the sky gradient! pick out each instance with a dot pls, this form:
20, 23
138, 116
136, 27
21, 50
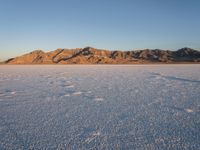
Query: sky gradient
26, 25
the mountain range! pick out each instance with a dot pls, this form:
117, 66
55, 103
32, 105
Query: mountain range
89, 55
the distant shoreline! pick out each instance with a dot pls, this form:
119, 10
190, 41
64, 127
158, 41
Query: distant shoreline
153, 63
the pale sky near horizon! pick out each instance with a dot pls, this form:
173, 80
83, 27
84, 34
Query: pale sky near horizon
26, 25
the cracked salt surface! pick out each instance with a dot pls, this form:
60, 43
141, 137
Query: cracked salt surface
100, 107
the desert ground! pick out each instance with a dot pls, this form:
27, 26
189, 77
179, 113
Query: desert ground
100, 107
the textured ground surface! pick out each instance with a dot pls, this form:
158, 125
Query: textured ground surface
100, 107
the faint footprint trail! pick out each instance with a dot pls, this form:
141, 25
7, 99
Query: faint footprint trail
93, 136
187, 110
174, 78
8, 93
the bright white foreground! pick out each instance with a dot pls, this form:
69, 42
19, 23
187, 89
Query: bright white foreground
100, 107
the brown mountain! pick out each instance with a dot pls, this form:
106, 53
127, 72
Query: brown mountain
91, 55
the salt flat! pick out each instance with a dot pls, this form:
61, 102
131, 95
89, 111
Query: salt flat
100, 107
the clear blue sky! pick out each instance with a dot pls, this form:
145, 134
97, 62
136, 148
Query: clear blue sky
26, 25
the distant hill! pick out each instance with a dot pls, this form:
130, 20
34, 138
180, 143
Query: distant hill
91, 55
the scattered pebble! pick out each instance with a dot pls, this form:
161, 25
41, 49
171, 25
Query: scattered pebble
1, 94
136, 91
77, 93
67, 95
99, 99
69, 86
189, 110
13, 93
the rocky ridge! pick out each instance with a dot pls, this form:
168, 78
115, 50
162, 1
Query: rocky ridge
89, 55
